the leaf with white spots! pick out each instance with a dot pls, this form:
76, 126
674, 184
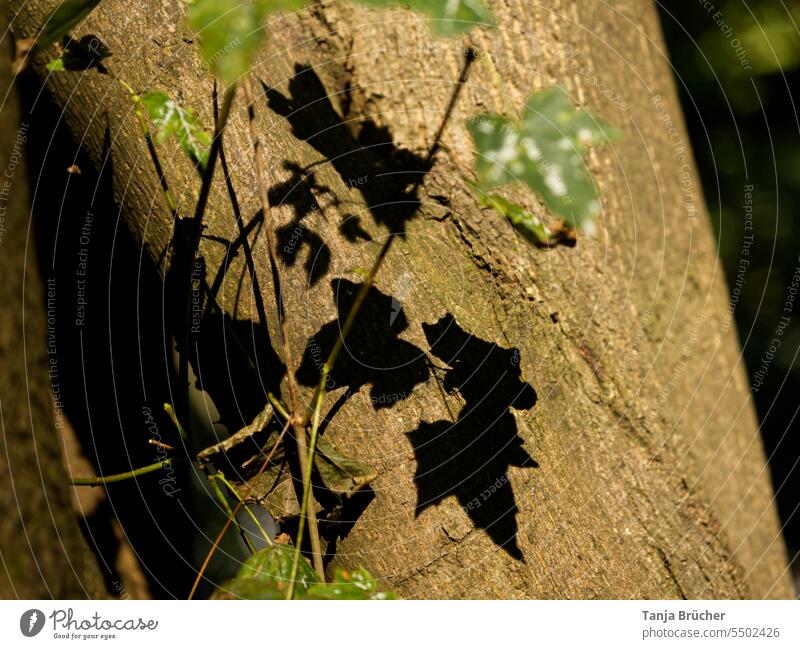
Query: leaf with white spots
266, 575
171, 119
349, 584
544, 150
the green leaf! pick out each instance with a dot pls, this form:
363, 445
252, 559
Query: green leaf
249, 588
63, 18
88, 52
348, 584
275, 562
544, 150
282, 5
56, 65
343, 476
447, 17
230, 32
266, 574
171, 119
530, 225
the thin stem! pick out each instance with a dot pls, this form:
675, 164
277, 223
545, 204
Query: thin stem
316, 402
236, 510
297, 426
119, 477
173, 417
226, 506
194, 243
279, 406
348, 325
161, 445
469, 59
253, 517
306, 491
263, 190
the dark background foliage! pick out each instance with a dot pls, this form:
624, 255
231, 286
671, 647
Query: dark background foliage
737, 65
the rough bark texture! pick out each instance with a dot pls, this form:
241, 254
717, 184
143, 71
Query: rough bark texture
42, 551
651, 480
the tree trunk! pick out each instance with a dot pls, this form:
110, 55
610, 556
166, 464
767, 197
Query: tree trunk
563, 423
42, 551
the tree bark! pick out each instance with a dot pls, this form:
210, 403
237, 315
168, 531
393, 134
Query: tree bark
642, 473
42, 551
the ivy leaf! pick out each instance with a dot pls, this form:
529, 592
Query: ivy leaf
447, 17
249, 588
349, 584
545, 151
62, 19
343, 476
266, 575
86, 53
230, 32
171, 119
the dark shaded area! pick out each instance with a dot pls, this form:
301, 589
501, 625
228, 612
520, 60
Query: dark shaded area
374, 354
386, 176
113, 357
469, 458
340, 517
223, 352
739, 83
84, 53
107, 350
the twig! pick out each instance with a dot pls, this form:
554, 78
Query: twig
119, 477
227, 507
221, 477
174, 418
194, 244
297, 426
469, 59
316, 401
161, 445
236, 510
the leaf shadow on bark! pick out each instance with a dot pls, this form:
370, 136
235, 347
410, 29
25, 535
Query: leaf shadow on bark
374, 354
385, 175
469, 458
